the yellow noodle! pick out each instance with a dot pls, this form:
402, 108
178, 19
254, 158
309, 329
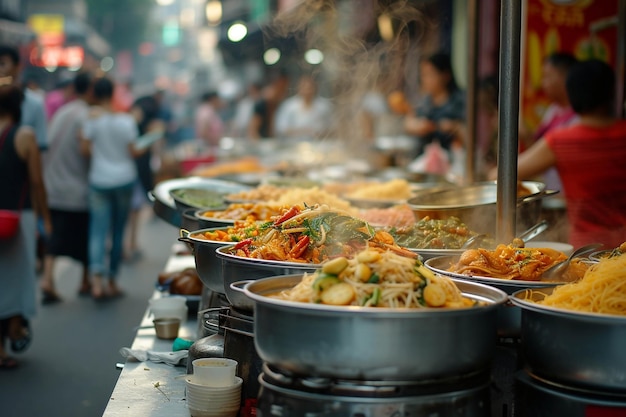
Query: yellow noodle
399, 284
601, 290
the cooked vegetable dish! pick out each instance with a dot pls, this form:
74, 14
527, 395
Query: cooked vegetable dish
377, 278
450, 233
313, 235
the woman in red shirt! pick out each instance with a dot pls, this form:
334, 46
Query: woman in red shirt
590, 157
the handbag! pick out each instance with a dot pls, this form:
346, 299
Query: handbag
10, 219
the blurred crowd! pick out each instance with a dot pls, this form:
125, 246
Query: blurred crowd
76, 162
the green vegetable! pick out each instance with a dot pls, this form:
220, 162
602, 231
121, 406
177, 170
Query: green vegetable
323, 281
376, 296
373, 299
374, 279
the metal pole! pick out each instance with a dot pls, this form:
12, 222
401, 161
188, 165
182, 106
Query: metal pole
510, 34
471, 92
621, 59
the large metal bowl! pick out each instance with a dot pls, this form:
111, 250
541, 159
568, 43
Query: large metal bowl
509, 315
164, 205
475, 205
583, 350
209, 267
369, 343
208, 222
237, 268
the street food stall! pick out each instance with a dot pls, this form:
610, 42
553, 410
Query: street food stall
340, 292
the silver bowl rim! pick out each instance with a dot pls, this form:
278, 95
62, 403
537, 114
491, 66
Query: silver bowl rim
413, 202
498, 298
485, 280
221, 252
518, 298
161, 190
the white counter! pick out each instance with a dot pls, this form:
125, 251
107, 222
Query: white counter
148, 388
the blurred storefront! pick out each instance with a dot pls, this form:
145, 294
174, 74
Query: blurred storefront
64, 41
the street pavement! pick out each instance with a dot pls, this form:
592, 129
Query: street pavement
69, 370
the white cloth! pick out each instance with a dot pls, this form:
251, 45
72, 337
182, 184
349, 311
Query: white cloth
170, 358
111, 162
65, 168
307, 121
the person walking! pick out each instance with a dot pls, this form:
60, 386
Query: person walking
65, 173
23, 193
108, 137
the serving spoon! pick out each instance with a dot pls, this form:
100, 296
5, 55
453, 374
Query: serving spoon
555, 271
525, 236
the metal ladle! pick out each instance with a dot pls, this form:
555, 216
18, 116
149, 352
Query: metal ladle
555, 271
525, 236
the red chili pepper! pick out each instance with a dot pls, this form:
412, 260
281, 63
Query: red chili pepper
288, 215
243, 243
300, 247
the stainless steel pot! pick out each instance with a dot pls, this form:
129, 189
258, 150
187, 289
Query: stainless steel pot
373, 343
208, 222
164, 205
509, 315
475, 205
209, 267
189, 220
577, 349
237, 268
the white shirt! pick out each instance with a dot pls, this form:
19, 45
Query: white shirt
111, 162
294, 115
65, 168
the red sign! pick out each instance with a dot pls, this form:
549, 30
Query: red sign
58, 56
584, 28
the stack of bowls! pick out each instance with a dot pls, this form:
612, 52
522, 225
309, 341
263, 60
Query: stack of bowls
213, 390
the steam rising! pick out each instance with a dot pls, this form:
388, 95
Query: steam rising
356, 60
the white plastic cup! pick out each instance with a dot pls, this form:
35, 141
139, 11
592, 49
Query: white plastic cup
215, 372
172, 306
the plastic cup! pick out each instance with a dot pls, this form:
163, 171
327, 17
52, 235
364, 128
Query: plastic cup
172, 306
167, 327
214, 372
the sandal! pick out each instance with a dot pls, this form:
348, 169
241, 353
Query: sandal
21, 344
85, 290
50, 297
8, 363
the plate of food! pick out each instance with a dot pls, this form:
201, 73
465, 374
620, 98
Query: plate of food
238, 211
189, 198
507, 267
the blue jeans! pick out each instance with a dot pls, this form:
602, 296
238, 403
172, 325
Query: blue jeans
108, 210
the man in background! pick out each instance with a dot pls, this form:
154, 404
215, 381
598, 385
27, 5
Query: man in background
65, 173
